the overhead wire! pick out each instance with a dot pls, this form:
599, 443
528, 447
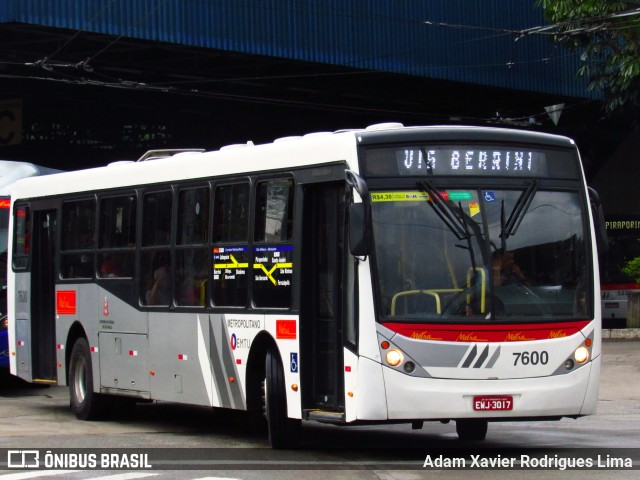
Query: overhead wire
80, 31
158, 6
232, 97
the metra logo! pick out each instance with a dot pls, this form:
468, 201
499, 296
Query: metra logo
66, 302
286, 329
470, 337
424, 336
557, 334
516, 337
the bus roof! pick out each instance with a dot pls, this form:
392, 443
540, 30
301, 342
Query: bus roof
282, 154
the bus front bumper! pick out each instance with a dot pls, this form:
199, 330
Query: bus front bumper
573, 394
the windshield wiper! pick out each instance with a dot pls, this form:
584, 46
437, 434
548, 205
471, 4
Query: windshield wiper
452, 219
519, 211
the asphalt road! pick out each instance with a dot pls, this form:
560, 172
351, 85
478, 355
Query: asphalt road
39, 418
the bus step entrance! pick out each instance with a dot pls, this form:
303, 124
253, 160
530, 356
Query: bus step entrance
325, 416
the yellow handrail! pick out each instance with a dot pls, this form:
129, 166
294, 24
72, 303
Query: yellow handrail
432, 292
483, 287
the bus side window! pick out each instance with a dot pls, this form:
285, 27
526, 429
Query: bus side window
156, 287
21, 233
231, 213
156, 224
117, 236
230, 253
192, 254
274, 211
273, 252
156, 278
117, 222
78, 239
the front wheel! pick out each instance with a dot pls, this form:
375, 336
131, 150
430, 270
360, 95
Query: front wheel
283, 431
85, 403
472, 429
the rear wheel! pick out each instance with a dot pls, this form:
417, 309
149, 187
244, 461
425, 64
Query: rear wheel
472, 429
85, 403
283, 431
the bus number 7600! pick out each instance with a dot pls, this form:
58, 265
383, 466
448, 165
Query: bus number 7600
531, 358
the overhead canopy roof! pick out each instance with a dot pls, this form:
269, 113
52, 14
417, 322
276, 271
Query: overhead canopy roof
101, 80
487, 43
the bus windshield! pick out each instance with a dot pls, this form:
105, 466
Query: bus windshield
477, 254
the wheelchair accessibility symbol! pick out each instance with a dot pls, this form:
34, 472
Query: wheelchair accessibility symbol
489, 196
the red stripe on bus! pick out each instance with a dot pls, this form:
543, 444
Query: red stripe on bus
487, 333
620, 286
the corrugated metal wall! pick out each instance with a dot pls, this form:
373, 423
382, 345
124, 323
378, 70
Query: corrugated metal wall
383, 35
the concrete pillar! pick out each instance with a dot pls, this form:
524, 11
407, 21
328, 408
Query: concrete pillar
633, 310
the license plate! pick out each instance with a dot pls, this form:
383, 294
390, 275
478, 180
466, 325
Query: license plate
493, 403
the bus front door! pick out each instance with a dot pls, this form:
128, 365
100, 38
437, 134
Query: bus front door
321, 298
43, 329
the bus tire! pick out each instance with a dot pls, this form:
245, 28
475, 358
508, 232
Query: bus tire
283, 431
85, 403
472, 429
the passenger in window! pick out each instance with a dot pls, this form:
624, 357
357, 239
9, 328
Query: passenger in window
109, 268
186, 286
159, 291
506, 271
88, 238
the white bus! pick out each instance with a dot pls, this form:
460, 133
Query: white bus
10, 172
385, 275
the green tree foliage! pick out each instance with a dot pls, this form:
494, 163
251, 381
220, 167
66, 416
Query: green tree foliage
632, 269
607, 33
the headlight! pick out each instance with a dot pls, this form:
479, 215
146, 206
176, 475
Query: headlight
394, 357
581, 354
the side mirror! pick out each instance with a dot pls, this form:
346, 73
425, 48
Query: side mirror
357, 230
599, 224
358, 215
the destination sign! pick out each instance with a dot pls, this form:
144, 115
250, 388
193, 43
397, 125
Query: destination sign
230, 263
470, 160
274, 264
461, 161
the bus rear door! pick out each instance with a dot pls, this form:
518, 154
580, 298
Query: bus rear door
42, 295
